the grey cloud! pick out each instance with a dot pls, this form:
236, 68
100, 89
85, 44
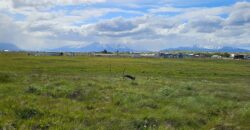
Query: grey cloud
115, 25
206, 24
239, 17
8, 29
147, 27
41, 26
231, 31
28, 3
240, 14
137, 28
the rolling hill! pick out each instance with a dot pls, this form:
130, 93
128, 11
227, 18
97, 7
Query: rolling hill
9, 46
200, 49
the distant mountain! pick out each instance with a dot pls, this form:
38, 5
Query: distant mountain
94, 47
200, 49
231, 49
194, 48
9, 46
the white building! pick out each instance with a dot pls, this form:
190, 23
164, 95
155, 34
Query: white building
232, 55
216, 57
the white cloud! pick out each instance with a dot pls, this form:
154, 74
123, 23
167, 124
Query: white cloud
152, 29
44, 3
12, 33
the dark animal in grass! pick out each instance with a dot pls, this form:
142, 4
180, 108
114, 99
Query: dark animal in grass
129, 77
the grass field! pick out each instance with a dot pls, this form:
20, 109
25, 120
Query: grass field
90, 93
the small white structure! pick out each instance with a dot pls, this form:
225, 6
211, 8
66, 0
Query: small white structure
216, 57
232, 55
148, 54
5, 50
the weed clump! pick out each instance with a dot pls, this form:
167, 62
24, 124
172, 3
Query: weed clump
42, 125
173, 123
224, 127
146, 123
33, 89
134, 83
76, 94
85, 93
6, 77
28, 113
148, 104
166, 91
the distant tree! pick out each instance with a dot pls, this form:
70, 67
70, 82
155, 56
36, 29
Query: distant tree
226, 54
105, 51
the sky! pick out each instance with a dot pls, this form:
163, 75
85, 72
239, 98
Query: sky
138, 24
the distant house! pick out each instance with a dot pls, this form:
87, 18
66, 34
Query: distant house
69, 54
239, 57
247, 57
45, 53
55, 53
166, 55
190, 55
170, 55
136, 55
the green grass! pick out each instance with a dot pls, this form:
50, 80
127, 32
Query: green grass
84, 93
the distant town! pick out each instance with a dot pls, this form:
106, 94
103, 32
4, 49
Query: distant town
160, 54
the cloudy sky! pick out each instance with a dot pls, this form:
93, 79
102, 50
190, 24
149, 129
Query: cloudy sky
139, 24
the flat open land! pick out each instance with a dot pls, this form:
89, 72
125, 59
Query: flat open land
90, 93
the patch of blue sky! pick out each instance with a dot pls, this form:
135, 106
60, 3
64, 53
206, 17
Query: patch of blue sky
136, 7
92, 20
120, 14
85, 21
225, 15
19, 17
167, 14
83, 6
140, 8
67, 8
132, 12
130, 5
15, 16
